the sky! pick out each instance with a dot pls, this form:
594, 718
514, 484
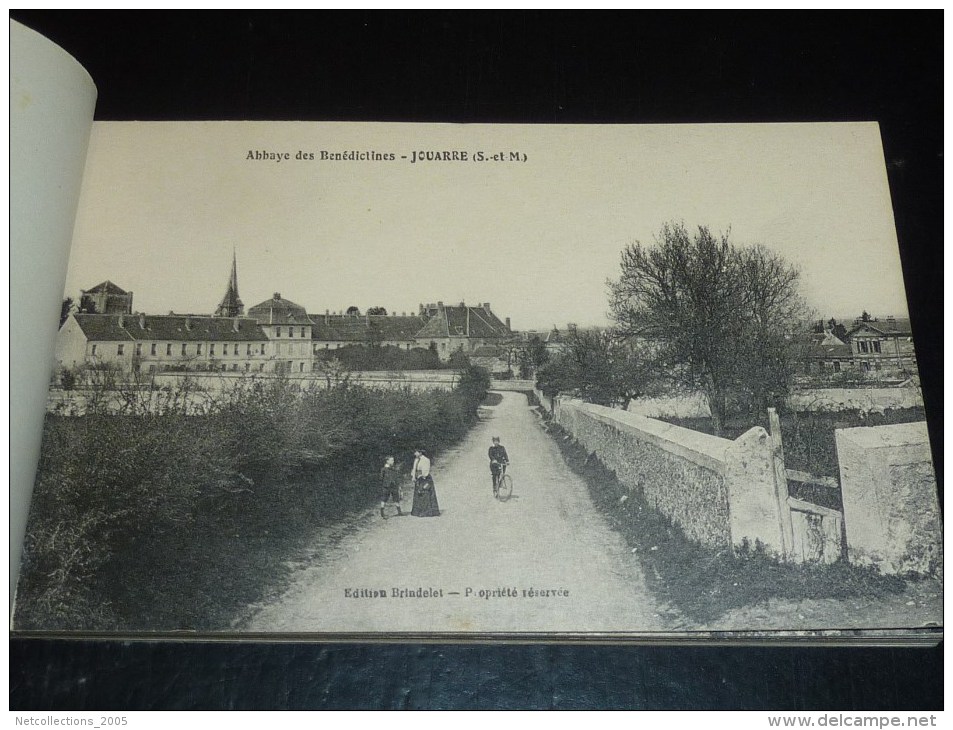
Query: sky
165, 204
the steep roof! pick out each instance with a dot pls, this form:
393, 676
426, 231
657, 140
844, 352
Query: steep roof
892, 327
172, 327
365, 328
464, 321
231, 304
396, 327
816, 345
106, 287
279, 311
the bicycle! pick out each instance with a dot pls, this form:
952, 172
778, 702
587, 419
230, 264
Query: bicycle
502, 485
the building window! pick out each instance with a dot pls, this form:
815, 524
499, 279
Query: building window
234, 366
261, 367
300, 367
865, 366
168, 348
138, 349
247, 366
338, 347
235, 350
184, 346
198, 349
93, 351
862, 346
291, 332
302, 331
443, 345
876, 345
152, 368
152, 350
327, 345
277, 331
262, 348
248, 349
119, 349
211, 349
836, 366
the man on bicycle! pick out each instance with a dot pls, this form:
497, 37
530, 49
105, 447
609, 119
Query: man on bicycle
498, 462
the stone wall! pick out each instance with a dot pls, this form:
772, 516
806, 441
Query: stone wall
544, 400
690, 405
719, 492
866, 400
891, 510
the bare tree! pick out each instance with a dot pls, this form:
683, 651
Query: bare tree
599, 366
718, 317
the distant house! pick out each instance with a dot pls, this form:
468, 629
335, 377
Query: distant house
276, 336
156, 343
883, 346
822, 352
557, 340
494, 359
335, 330
105, 298
288, 328
462, 328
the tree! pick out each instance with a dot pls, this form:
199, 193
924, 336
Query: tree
87, 305
719, 317
533, 356
837, 329
459, 360
65, 309
353, 311
375, 310
599, 367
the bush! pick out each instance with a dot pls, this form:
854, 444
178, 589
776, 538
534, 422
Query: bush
702, 582
169, 519
383, 357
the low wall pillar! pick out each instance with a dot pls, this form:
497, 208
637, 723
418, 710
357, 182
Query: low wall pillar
891, 510
755, 514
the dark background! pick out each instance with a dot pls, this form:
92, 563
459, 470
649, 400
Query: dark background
540, 68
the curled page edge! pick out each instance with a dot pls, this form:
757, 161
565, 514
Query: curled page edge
52, 99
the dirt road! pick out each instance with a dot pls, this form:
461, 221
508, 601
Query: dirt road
545, 560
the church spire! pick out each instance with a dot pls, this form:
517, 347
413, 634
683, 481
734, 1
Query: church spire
231, 305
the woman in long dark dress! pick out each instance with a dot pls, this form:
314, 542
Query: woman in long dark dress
425, 494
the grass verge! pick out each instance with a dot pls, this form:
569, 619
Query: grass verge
700, 582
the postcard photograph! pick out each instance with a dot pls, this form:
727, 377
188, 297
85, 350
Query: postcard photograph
470, 382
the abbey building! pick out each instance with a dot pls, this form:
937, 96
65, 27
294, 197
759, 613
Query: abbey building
275, 336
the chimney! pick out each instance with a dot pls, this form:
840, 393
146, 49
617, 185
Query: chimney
236, 323
486, 306
508, 323
420, 308
440, 306
276, 296
142, 320
327, 313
